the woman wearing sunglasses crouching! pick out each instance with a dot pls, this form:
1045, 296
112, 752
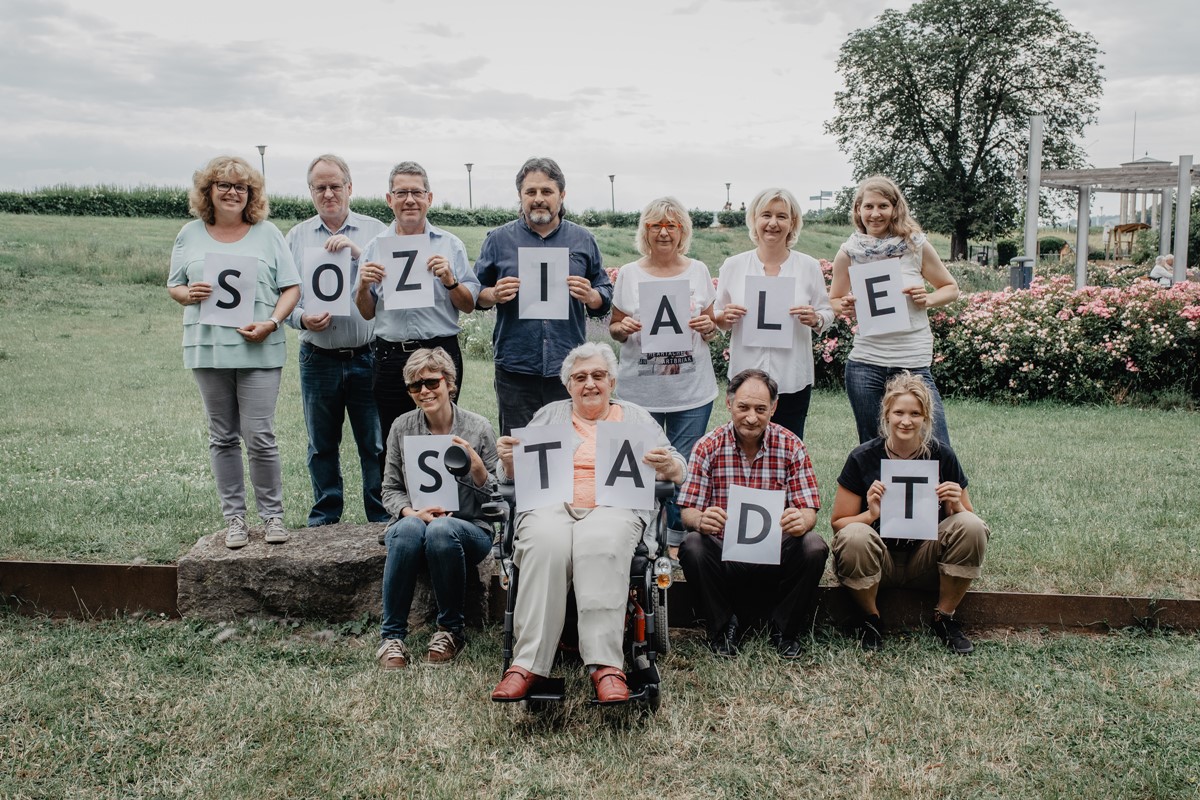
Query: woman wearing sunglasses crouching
451, 543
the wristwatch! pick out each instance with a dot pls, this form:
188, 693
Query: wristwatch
453, 286
275, 321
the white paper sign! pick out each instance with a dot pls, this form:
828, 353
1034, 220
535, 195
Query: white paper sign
544, 465
753, 534
543, 274
909, 508
664, 308
327, 284
879, 300
622, 480
428, 481
767, 322
408, 283
234, 280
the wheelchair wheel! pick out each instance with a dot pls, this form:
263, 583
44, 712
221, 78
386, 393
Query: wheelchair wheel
662, 630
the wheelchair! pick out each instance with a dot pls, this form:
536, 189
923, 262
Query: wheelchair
647, 634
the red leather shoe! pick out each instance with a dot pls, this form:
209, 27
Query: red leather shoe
515, 685
610, 685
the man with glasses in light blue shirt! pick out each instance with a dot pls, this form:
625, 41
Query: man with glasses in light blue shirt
336, 371
401, 332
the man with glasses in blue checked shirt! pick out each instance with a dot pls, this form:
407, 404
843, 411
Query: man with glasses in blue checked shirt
336, 364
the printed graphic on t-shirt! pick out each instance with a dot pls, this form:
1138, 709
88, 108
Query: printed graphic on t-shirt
681, 362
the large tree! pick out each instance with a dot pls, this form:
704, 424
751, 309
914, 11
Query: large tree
939, 98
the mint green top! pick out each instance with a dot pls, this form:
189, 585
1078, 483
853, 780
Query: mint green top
216, 345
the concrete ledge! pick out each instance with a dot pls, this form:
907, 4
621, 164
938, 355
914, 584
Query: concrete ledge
335, 573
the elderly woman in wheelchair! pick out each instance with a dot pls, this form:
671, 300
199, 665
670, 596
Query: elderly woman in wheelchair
579, 545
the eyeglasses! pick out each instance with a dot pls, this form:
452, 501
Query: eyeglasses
224, 187
416, 194
596, 377
427, 383
670, 226
336, 188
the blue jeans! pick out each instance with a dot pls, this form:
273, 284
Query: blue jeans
864, 386
449, 546
332, 389
684, 429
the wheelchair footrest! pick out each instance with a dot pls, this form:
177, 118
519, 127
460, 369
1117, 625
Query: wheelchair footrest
548, 690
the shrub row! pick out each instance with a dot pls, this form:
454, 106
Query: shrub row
1099, 345
171, 202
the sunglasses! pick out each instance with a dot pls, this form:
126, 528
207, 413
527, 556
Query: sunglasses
427, 383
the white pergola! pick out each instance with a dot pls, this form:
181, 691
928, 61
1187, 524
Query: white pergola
1145, 176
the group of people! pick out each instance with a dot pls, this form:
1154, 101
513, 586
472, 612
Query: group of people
395, 372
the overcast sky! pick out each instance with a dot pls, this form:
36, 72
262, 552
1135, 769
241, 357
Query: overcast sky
672, 96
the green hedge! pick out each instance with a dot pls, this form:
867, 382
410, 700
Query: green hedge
731, 219
171, 202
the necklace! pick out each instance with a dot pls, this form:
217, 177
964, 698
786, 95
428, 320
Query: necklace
893, 454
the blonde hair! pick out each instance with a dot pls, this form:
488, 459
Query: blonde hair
903, 223
434, 360
234, 170
664, 208
899, 385
764, 199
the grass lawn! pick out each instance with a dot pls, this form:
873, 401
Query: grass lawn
103, 457
133, 709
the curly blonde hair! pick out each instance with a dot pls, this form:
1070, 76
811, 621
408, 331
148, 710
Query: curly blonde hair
903, 224
234, 170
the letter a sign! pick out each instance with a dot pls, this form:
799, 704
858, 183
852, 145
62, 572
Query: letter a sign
664, 308
752, 531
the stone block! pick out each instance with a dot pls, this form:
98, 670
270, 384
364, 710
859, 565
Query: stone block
334, 573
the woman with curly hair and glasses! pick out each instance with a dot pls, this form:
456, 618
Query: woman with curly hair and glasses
237, 369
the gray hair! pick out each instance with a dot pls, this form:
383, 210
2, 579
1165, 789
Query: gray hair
408, 168
548, 166
329, 158
764, 199
433, 360
752, 374
588, 350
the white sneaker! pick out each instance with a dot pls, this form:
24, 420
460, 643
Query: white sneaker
236, 535
276, 533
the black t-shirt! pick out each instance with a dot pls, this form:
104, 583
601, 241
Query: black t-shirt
862, 469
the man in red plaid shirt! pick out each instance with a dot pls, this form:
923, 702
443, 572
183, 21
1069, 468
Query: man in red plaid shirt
753, 452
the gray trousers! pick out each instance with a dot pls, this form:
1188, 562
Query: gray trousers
241, 407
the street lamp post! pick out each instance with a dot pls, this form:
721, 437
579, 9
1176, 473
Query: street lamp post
262, 159
727, 201
612, 180
470, 196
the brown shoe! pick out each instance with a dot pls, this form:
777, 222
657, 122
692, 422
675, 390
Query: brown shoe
392, 654
515, 685
444, 646
610, 685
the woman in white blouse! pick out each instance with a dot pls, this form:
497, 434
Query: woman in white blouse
774, 222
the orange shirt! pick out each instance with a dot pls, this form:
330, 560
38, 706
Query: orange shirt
585, 456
